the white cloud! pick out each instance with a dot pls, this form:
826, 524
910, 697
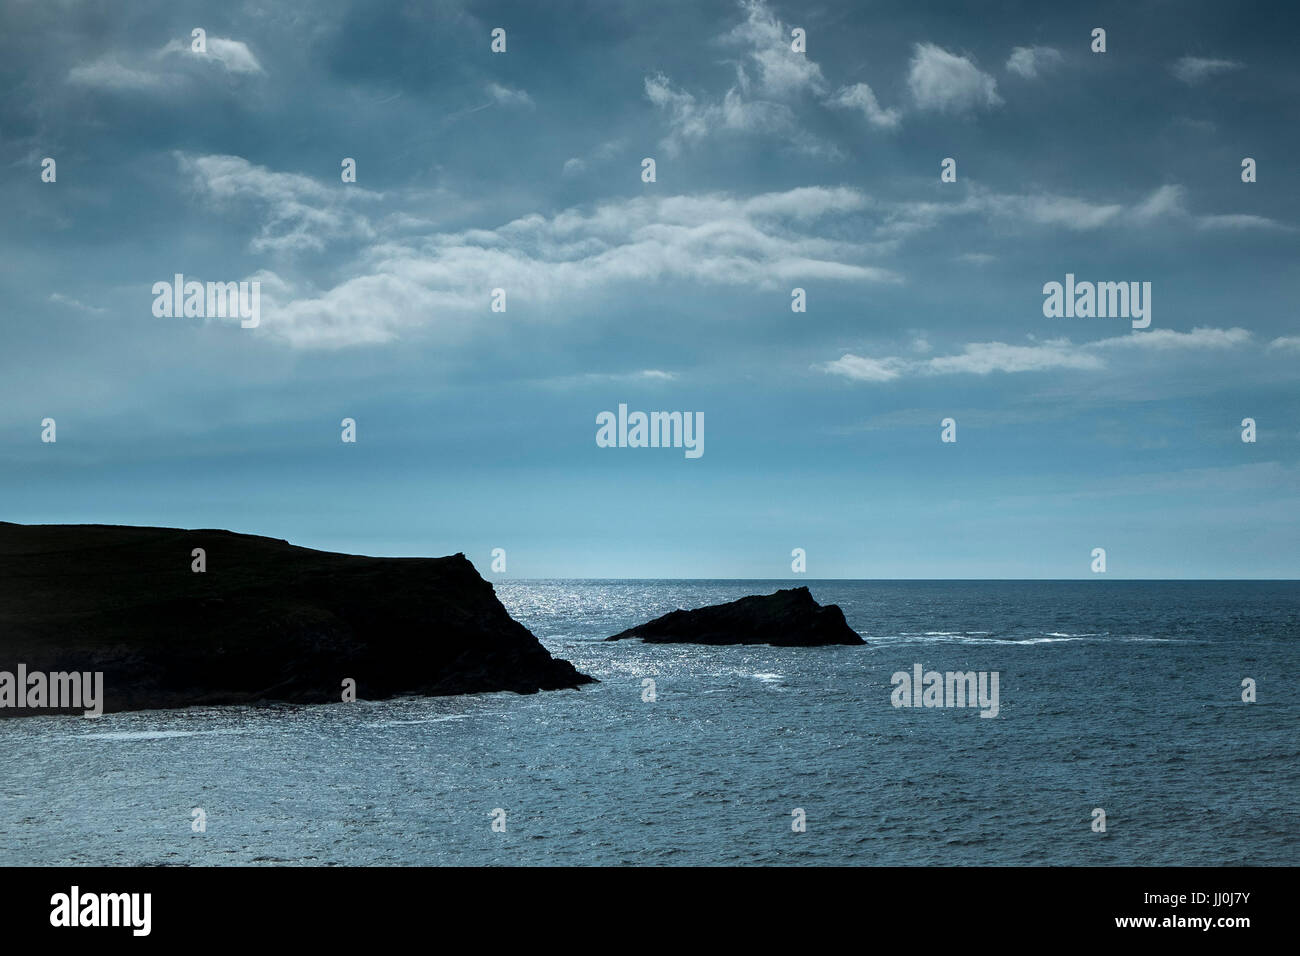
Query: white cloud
754, 106
233, 55
67, 300
1289, 343
1194, 69
107, 73
690, 121
860, 369
299, 212
1027, 61
505, 96
781, 72
1166, 339
1016, 209
942, 81
984, 358
1163, 204
860, 97
1240, 221
1165, 201
981, 358
436, 280
1168, 202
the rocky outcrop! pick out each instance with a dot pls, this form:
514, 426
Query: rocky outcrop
266, 621
788, 618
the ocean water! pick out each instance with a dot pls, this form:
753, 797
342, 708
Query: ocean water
1119, 695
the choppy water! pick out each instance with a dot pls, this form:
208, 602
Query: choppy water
1124, 696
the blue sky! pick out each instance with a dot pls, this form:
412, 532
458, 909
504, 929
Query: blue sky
774, 170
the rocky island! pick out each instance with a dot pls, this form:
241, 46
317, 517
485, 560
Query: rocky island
788, 618
262, 621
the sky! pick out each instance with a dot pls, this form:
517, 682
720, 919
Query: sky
774, 170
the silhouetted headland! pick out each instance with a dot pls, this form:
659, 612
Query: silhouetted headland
266, 621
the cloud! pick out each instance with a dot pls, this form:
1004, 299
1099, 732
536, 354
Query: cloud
1289, 343
107, 73
505, 96
690, 120
860, 369
753, 106
981, 358
73, 303
1166, 339
1027, 61
1163, 204
1015, 209
1167, 202
985, 358
1194, 69
782, 73
860, 97
1240, 221
942, 81
434, 280
233, 55
299, 213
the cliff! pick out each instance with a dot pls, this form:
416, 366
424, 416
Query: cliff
267, 621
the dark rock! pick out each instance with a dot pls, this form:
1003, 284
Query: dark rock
788, 618
267, 621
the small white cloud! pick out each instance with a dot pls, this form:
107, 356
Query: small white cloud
505, 96
942, 81
1027, 61
1287, 343
860, 97
985, 358
107, 73
1240, 221
233, 55
981, 358
573, 166
74, 303
1194, 69
1165, 201
1166, 339
860, 369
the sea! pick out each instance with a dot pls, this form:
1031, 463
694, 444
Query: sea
1121, 737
